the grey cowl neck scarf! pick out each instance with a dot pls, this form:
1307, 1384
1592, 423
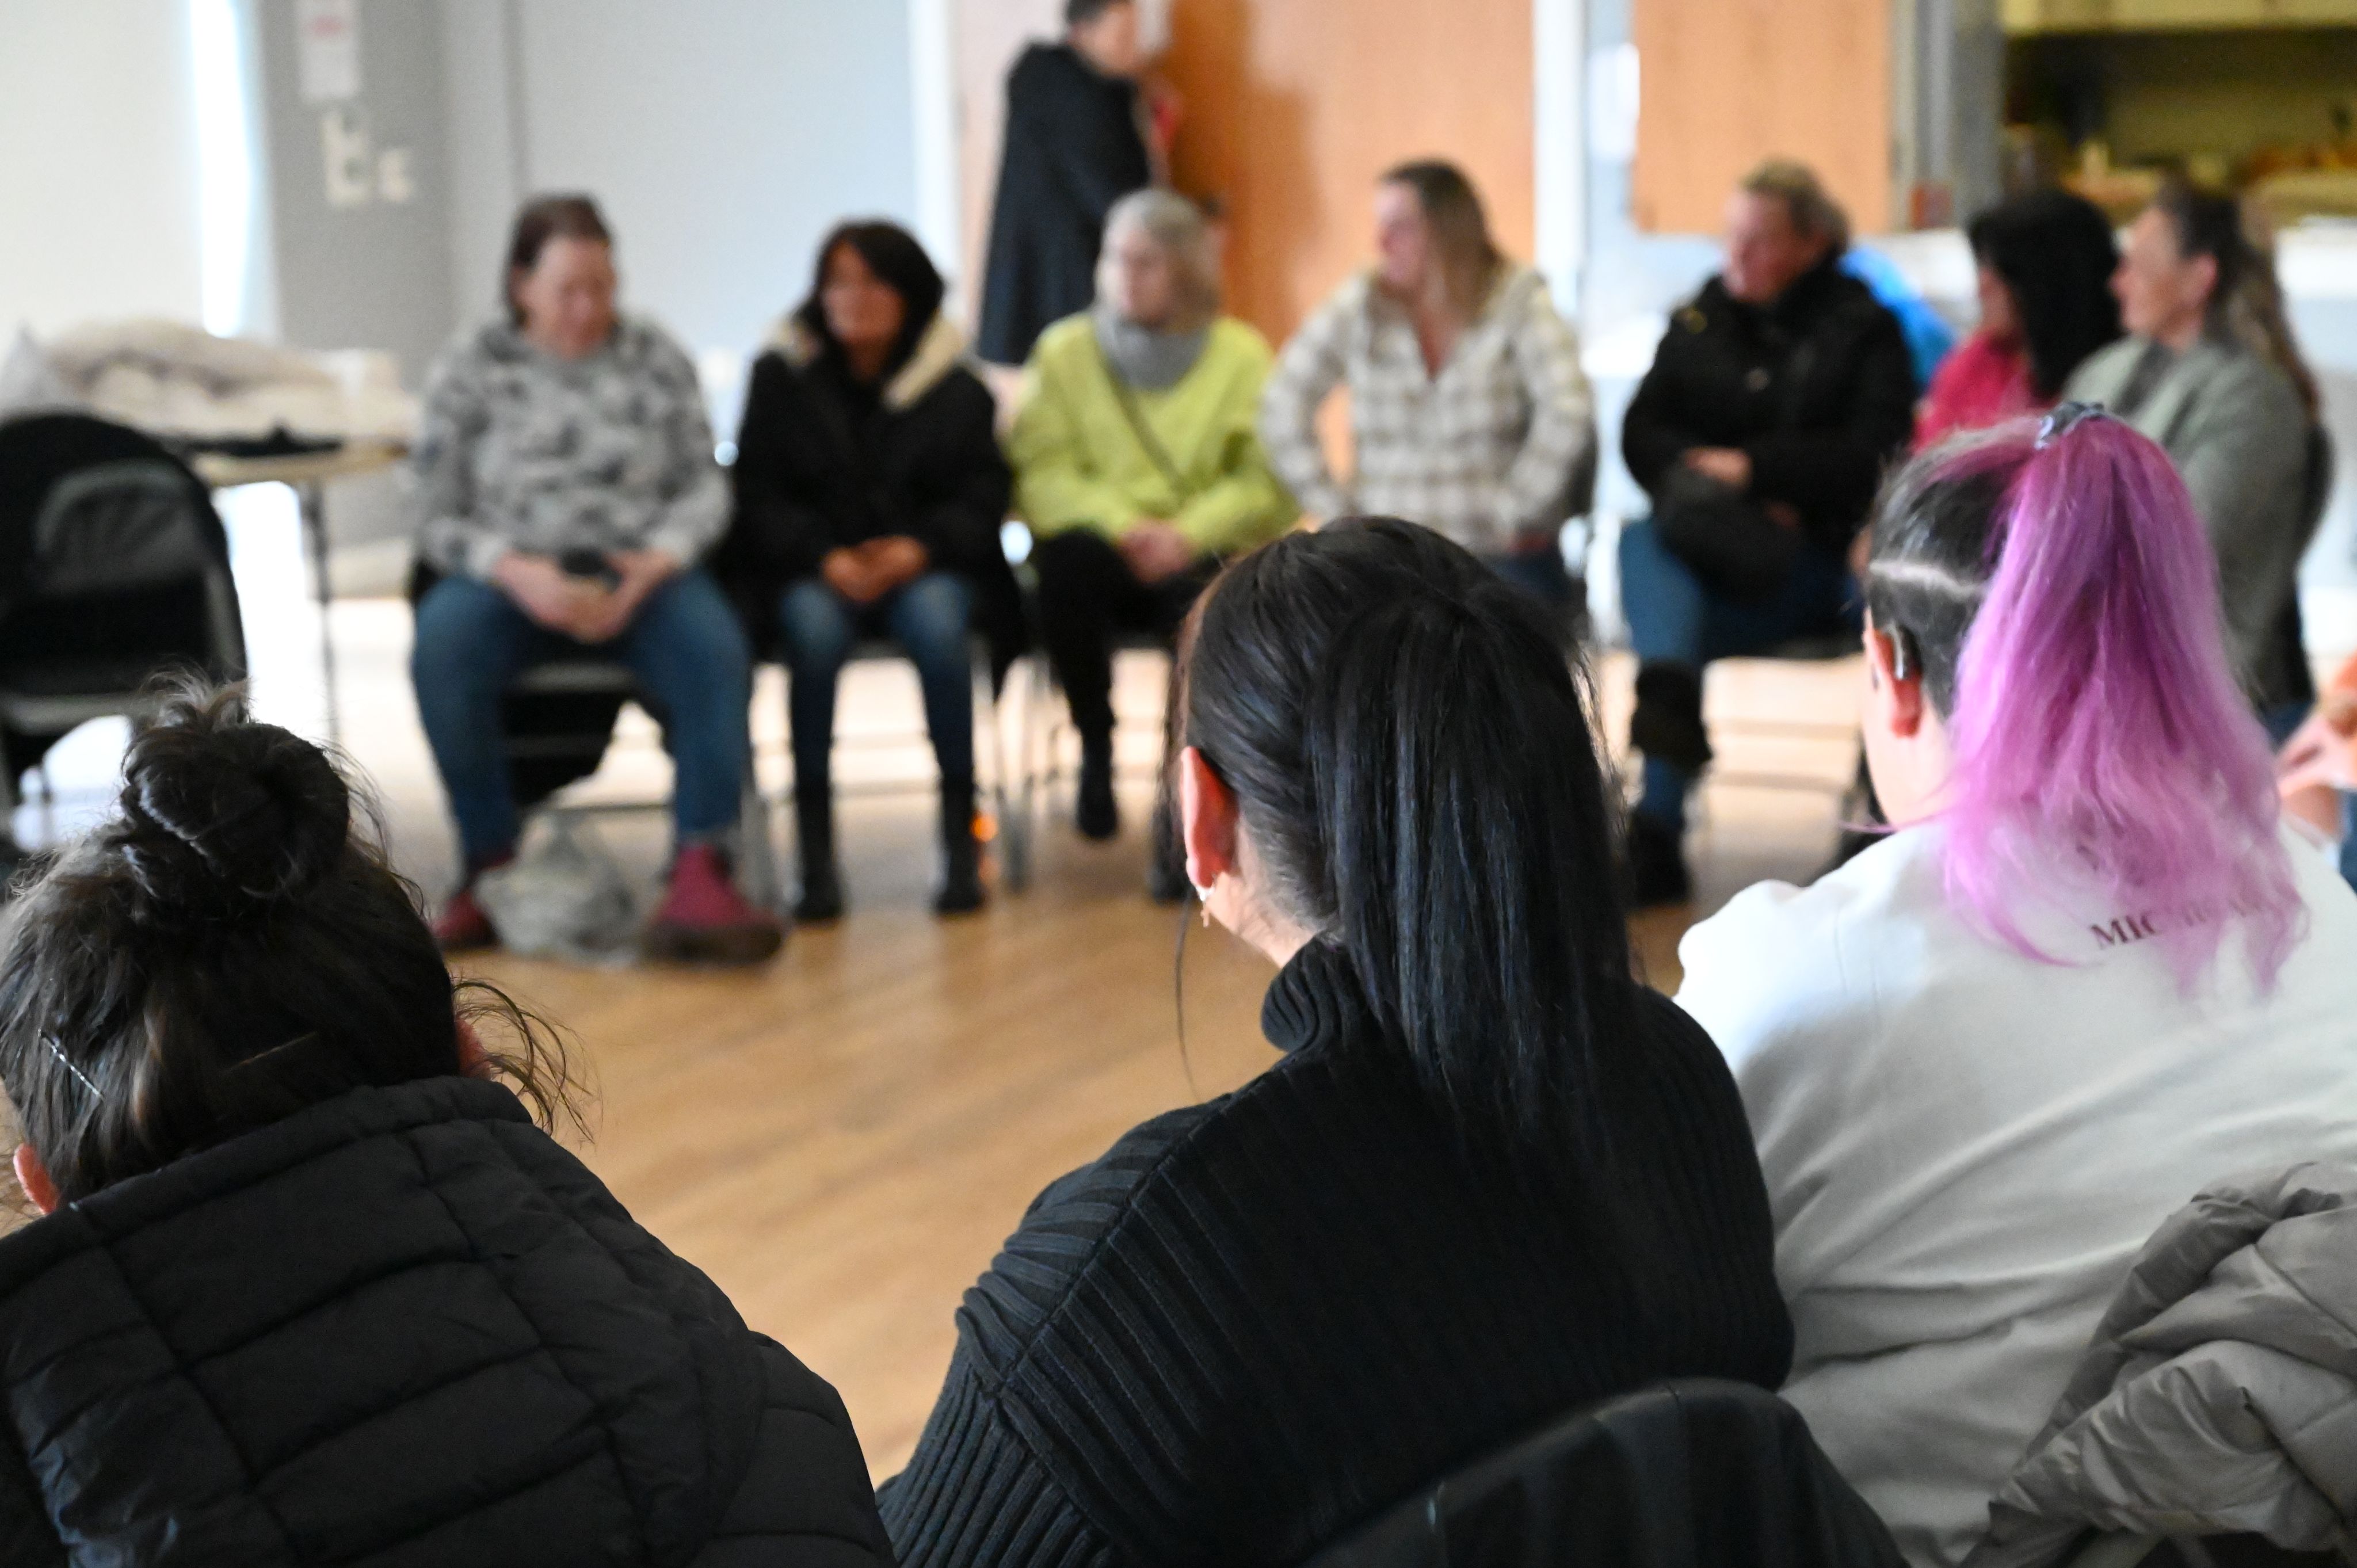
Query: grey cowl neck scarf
1147, 359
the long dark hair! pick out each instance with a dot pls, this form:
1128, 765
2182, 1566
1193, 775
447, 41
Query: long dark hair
896, 258
2247, 303
2056, 255
1411, 753
1470, 259
544, 218
227, 948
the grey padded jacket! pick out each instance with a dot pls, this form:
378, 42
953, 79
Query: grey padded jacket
2219, 1394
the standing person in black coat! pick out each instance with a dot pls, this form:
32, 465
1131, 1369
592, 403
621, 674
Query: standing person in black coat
1491, 1179
311, 1286
1075, 143
1778, 396
870, 493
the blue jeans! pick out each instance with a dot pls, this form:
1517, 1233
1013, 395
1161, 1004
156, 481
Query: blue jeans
1676, 619
686, 648
929, 619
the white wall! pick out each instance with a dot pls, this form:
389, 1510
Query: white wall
723, 138
98, 163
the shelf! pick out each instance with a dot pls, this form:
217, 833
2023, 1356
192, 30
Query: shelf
2028, 18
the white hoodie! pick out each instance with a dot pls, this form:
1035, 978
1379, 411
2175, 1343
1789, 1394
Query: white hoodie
1965, 1147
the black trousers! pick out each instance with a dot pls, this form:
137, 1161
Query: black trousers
1088, 595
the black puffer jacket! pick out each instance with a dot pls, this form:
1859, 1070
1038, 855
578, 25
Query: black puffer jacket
1817, 389
402, 1328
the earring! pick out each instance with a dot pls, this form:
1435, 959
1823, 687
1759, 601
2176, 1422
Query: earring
1202, 902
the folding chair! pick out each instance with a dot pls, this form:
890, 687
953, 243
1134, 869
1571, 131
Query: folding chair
121, 574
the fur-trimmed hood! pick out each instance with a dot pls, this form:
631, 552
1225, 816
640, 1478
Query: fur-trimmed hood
942, 350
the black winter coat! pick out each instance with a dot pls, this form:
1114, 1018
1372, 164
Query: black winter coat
820, 466
1817, 389
401, 1327
1073, 148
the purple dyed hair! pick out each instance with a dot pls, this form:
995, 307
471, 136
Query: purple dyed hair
2061, 599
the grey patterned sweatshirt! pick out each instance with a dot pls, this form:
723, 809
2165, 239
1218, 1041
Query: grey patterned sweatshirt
518, 450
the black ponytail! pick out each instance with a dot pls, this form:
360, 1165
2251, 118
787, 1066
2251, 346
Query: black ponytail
1411, 753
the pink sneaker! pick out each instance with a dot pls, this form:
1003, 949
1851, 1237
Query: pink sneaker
704, 919
462, 927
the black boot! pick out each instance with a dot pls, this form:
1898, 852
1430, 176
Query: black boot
1654, 862
821, 892
1097, 816
960, 892
1667, 726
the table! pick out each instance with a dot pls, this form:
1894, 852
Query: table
307, 473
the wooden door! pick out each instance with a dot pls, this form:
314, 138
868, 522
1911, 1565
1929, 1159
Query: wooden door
1294, 107
1724, 84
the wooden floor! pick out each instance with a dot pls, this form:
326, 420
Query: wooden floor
843, 1138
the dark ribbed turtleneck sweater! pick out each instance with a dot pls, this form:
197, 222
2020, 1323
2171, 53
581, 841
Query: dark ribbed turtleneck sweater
1256, 1321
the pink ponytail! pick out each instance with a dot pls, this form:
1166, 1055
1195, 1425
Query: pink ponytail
2094, 711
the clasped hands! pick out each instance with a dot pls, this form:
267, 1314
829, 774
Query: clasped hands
866, 572
1732, 467
583, 609
1155, 550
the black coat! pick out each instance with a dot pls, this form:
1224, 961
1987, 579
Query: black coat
1073, 148
1817, 389
821, 465
401, 1327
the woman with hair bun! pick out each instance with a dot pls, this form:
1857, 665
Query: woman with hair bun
313, 1283
2087, 971
1490, 1180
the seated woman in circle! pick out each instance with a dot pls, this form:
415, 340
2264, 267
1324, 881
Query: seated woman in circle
1489, 1179
871, 492
2086, 972
312, 1285
1137, 463
565, 476
1469, 409
2211, 371
2044, 262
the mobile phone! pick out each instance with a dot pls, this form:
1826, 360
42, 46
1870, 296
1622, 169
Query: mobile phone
592, 565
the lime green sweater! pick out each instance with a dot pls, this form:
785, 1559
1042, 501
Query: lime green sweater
1078, 463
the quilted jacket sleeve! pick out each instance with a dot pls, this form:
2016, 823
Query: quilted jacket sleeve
28, 1539
805, 1502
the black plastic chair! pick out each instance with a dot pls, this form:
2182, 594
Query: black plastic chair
1687, 1474
556, 723
113, 570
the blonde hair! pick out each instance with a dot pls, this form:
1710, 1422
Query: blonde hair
1471, 260
1177, 228
1815, 213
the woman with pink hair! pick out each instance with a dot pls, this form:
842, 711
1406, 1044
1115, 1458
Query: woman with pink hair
2087, 971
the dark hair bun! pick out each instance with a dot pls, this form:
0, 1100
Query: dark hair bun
224, 817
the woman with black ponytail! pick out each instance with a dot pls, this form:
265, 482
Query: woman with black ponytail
1489, 1179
